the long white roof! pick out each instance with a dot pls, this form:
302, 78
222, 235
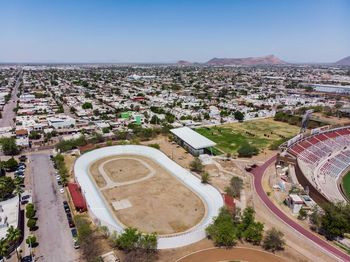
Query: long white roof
195, 140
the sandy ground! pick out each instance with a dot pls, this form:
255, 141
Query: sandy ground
160, 204
125, 169
240, 254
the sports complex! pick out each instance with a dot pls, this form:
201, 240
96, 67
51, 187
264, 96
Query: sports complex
322, 162
139, 186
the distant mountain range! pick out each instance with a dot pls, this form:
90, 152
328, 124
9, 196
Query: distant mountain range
251, 61
264, 60
344, 61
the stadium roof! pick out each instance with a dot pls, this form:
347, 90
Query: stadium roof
192, 138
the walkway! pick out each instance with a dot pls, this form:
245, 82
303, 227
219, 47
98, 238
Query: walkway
258, 175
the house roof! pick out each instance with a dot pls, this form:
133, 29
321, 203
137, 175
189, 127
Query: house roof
21, 132
194, 139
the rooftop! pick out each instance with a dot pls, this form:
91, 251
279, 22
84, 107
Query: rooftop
195, 140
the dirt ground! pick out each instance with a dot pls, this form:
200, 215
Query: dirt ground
240, 254
173, 151
160, 204
125, 169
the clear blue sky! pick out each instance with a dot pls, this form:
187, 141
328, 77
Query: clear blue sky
167, 31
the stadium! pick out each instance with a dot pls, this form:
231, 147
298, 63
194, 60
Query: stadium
139, 186
322, 161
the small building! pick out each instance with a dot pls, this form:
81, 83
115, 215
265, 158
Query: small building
77, 197
62, 121
193, 142
295, 203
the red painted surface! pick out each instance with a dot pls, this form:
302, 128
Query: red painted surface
258, 174
77, 197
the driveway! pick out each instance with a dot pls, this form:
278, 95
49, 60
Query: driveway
54, 236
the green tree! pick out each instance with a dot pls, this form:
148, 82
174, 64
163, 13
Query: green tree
196, 165
7, 186
13, 235
148, 242
223, 231
9, 146
129, 239
205, 178
31, 223
30, 213
273, 240
87, 105
235, 188
334, 220
4, 247
302, 214
10, 164
254, 233
238, 115
247, 150
31, 240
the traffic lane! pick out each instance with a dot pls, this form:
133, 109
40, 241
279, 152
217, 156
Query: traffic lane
55, 240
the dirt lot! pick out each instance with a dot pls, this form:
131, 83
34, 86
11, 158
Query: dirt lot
235, 254
160, 204
128, 169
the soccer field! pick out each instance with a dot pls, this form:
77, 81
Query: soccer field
260, 133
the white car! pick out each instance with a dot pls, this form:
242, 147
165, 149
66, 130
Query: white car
58, 177
61, 190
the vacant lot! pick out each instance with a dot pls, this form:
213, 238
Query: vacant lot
161, 203
260, 133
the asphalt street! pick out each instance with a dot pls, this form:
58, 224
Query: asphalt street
7, 113
54, 236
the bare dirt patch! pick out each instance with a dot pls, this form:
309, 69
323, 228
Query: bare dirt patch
125, 169
161, 203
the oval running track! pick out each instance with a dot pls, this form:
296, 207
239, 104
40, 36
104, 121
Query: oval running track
100, 211
258, 173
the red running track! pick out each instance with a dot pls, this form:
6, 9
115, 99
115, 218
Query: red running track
258, 173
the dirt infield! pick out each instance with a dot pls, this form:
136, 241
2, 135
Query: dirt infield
233, 254
161, 203
128, 169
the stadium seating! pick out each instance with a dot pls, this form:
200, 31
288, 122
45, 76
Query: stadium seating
323, 158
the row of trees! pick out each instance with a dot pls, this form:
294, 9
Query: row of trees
66, 145
332, 221
62, 169
226, 229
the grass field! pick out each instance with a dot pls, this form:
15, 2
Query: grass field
346, 184
260, 133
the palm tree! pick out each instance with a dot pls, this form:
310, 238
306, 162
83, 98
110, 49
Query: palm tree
4, 248
13, 235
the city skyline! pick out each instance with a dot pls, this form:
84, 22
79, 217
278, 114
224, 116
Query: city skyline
158, 32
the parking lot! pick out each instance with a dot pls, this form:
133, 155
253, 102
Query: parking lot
54, 233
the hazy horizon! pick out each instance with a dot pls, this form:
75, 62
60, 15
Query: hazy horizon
37, 31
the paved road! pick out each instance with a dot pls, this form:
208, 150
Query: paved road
54, 236
258, 174
7, 113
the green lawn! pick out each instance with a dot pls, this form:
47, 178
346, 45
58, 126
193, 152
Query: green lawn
346, 184
260, 133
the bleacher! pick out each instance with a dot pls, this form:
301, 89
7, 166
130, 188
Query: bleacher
323, 158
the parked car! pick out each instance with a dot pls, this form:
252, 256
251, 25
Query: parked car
58, 177
59, 182
61, 190
74, 232
76, 243
23, 158
71, 223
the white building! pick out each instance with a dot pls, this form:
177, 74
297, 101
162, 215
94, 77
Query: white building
61, 121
